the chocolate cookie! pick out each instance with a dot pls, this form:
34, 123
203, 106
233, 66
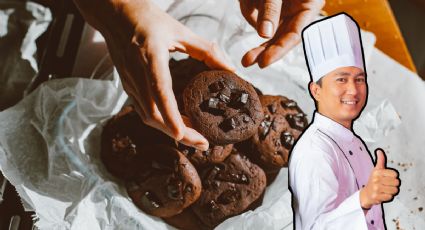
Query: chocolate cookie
165, 183
222, 107
182, 71
215, 154
122, 140
228, 188
282, 125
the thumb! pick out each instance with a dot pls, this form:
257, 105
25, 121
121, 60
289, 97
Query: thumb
206, 51
268, 17
380, 159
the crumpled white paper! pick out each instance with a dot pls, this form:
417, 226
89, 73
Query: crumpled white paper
21, 23
50, 141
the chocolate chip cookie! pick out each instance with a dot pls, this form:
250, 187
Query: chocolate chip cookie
122, 140
222, 107
283, 123
182, 71
165, 183
228, 189
215, 154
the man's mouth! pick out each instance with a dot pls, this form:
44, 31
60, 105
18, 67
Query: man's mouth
349, 102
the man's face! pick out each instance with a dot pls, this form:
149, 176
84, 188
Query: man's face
342, 95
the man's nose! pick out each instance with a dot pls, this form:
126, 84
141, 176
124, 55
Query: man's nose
351, 88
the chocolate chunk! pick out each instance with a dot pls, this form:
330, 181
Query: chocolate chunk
223, 97
264, 128
289, 104
245, 118
228, 196
277, 142
150, 200
240, 178
272, 108
188, 188
287, 139
186, 150
297, 121
229, 124
206, 153
216, 86
123, 145
174, 190
241, 98
214, 106
213, 103
212, 206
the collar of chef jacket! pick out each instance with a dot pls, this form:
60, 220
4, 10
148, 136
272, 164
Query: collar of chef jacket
336, 131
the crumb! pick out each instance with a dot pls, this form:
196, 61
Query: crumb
420, 209
415, 198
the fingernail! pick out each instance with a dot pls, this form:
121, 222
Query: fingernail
266, 29
203, 147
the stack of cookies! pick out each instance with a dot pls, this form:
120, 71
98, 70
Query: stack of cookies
250, 136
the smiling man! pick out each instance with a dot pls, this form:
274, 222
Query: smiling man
332, 178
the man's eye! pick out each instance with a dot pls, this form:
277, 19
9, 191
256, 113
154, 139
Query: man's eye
340, 79
360, 80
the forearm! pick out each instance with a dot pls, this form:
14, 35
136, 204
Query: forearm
113, 17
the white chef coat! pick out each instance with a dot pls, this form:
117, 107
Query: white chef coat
327, 167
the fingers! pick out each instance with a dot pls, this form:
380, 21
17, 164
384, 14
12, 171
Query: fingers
388, 181
149, 88
159, 85
270, 52
268, 17
380, 159
192, 137
206, 51
251, 56
249, 11
287, 36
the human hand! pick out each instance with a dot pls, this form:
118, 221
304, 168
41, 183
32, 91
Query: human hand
140, 37
383, 183
281, 21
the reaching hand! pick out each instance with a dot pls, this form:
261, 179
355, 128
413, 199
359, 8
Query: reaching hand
140, 37
383, 183
282, 21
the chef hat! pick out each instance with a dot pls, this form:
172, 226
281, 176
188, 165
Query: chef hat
331, 43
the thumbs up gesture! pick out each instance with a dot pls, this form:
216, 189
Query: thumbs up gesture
383, 183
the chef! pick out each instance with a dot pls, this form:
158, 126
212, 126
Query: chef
333, 180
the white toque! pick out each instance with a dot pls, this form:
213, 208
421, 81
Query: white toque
332, 43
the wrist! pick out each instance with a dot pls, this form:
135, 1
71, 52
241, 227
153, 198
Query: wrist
364, 201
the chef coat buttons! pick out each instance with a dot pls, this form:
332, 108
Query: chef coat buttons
351, 153
372, 222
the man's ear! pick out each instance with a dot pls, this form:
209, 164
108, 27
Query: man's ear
314, 90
